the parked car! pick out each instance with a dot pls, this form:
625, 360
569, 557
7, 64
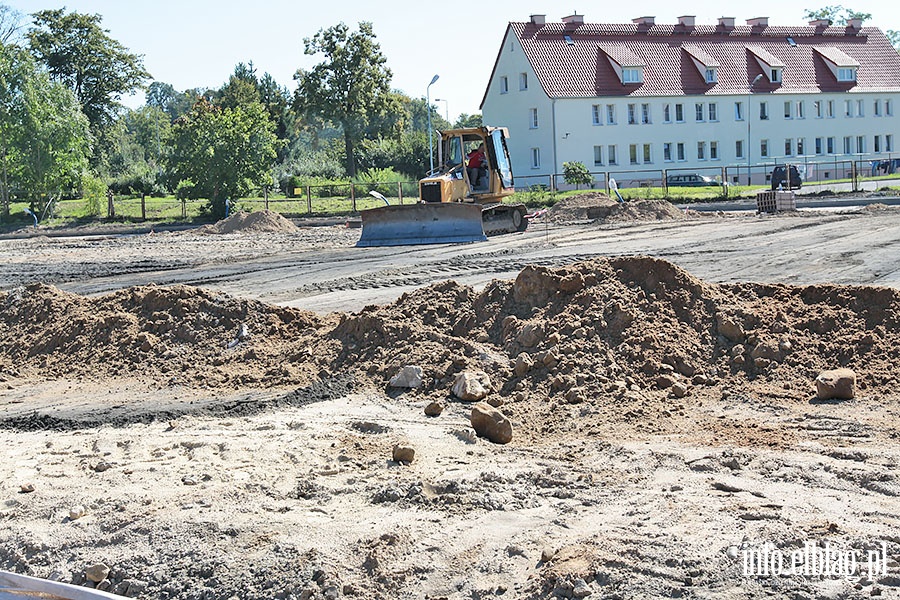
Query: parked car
780, 178
690, 180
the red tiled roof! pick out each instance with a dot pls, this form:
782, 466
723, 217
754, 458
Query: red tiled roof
580, 69
836, 56
765, 56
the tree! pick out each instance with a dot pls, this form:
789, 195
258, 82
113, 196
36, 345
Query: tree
575, 173
10, 24
80, 54
222, 153
473, 120
351, 87
894, 37
836, 14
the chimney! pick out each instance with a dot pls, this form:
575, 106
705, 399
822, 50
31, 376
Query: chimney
854, 23
686, 21
644, 20
758, 22
820, 23
726, 22
538, 19
575, 19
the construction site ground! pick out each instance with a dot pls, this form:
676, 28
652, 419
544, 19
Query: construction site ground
208, 412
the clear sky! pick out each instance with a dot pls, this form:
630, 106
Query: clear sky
197, 43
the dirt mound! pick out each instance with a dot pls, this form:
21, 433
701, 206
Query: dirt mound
598, 207
257, 222
620, 335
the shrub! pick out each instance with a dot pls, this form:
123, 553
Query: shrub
93, 193
575, 173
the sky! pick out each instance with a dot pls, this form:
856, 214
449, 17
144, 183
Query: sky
197, 43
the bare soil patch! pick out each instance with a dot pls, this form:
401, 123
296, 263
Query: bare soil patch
600, 208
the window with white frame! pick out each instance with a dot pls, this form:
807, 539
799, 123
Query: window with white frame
701, 150
830, 107
667, 113
764, 148
787, 109
848, 108
710, 75
533, 118
535, 158
817, 109
523, 81
645, 114
739, 148
846, 74
633, 154
679, 113
889, 143
801, 146
610, 114
876, 106
860, 108
679, 149
596, 115
611, 156
713, 111
504, 84
877, 144
667, 151
775, 75
698, 111
861, 144
714, 151
763, 111
738, 111
632, 75
848, 144
829, 145
819, 145
648, 153
888, 108
789, 147
598, 155
632, 114
801, 112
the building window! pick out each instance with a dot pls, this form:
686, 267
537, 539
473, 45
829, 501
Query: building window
645, 114
535, 158
817, 108
679, 149
848, 143
764, 148
713, 112
830, 109
667, 151
648, 155
667, 113
775, 75
787, 109
860, 106
739, 148
738, 111
788, 147
846, 74
504, 85
829, 145
632, 117
877, 108
598, 155
848, 108
679, 113
610, 114
714, 151
801, 146
801, 113
631, 75
877, 146
534, 119
763, 111
710, 75
596, 115
888, 108
860, 144
701, 150
633, 154
698, 111
889, 143
819, 145
611, 155
523, 81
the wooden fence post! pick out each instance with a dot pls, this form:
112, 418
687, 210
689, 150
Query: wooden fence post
308, 200
143, 206
353, 195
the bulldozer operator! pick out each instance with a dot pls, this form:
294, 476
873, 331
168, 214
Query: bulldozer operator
475, 165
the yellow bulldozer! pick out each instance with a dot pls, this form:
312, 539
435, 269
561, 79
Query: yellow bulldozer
461, 200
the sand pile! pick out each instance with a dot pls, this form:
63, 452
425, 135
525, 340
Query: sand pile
598, 207
258, 221
614, 334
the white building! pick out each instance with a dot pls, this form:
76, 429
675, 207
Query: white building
635, 99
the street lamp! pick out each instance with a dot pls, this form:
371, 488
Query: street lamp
446, 107
428, 109
749, 113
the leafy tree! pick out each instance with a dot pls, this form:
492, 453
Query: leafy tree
351, 87
836, 14
465, 120
575, 173
222, 153
894, 37
80, 54
10, 24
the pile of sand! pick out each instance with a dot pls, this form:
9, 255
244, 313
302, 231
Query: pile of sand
604, 332
598, 207
258, 221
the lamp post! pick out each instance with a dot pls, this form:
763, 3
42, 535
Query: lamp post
446, 107
749, 113
428, 109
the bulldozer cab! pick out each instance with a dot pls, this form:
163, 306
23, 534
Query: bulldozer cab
465, 177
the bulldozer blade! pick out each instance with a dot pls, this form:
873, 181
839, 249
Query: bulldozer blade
422, 223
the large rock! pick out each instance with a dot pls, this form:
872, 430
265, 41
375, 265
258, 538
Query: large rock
471, 386
409, 376
403, 453
730, 327
838, 384
96, 573
490, 423
530, 335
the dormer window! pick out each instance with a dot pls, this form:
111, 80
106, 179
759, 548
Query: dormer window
775, 75
711, 76
632, 75
846, 74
